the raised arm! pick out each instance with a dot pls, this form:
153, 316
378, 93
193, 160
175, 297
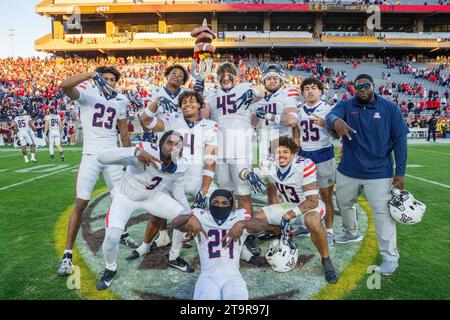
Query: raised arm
149, 120
69, 85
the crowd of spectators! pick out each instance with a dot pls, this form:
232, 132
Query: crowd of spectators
33, 84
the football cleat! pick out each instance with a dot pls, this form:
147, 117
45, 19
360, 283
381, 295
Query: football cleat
257, 261
251, 245
66, 266
128, 241
133, 256
331, 276
180, 264
106, 279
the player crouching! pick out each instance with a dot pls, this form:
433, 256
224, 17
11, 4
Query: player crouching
149, 170
292, 184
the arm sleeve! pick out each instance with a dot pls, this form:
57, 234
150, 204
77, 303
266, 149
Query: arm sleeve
118, 156
399, 132
337, 112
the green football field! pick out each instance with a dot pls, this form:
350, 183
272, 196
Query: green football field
33, 196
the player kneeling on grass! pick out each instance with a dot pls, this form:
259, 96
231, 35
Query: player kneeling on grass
220, 278
141, 189
292, 185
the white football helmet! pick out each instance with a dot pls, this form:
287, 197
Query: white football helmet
282, 255
404, 208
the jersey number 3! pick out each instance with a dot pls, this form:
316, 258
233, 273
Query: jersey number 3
97, 119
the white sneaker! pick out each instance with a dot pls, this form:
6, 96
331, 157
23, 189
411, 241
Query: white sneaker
387, 268
26, 160
163, 239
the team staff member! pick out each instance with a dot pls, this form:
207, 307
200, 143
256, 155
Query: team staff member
372, 127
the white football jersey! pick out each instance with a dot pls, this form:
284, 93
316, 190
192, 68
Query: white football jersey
214, 258
141, 184
22, 123
53, 121
99, 118
195, 136
313, 137
289, 180
232, 110
275, 103
168, 102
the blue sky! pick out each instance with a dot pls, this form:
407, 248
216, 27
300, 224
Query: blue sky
29, 26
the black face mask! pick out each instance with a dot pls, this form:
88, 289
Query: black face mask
221, 214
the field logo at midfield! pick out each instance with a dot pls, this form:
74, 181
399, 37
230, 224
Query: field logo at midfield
149, 277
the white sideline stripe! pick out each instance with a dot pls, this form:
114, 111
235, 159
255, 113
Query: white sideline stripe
446, 153
36, 178
429, 181
414, 166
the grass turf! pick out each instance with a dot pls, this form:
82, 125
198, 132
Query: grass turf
29, 212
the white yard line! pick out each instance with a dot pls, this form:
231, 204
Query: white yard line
446, 153
36, 178
429, 181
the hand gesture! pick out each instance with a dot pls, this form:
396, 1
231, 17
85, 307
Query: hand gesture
343, 129
235, 233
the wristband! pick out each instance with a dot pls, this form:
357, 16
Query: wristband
208, 173
149, 113
153, 123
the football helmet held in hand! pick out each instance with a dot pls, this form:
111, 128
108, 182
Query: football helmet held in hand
404, 208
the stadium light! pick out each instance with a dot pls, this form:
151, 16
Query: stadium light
12, 34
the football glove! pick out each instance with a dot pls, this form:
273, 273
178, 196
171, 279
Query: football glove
199, 86
105, 88
257, 185
261, 113
284, 227
200, 201
245, 99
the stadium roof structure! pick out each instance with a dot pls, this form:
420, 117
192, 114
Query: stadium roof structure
111, 26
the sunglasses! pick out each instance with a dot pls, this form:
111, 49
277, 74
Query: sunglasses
364, 86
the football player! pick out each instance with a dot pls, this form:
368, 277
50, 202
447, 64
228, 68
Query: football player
230, 106
292, 185
166, 99
278, 108
53, 127
199, 147
101, 109
141, 189
24, 128
220, 278
316, 145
